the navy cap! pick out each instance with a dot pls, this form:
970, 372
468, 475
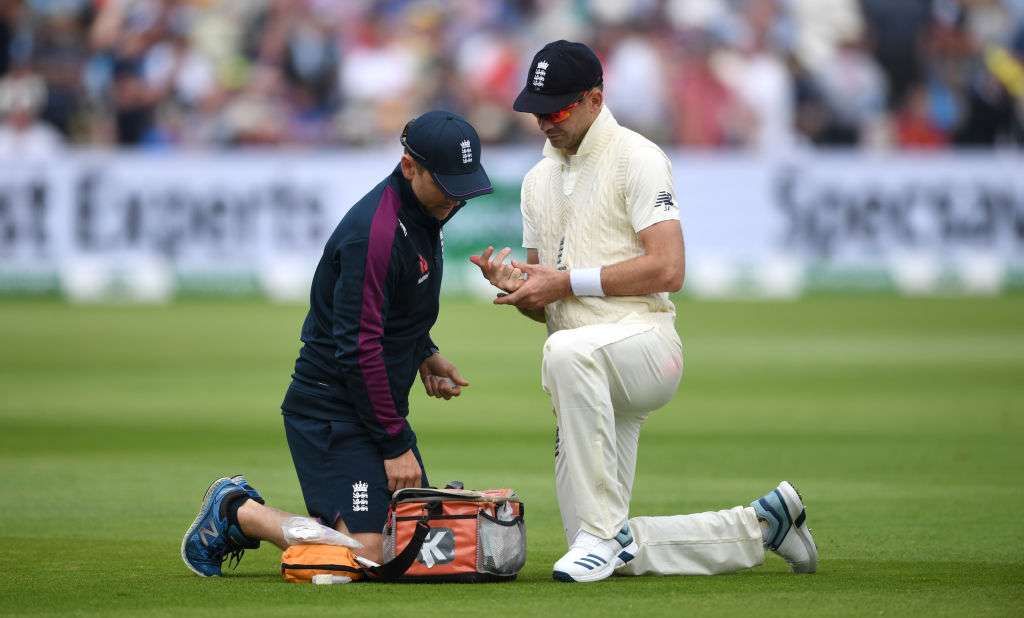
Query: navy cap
448, 146
558, 74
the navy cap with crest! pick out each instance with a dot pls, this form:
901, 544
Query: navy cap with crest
449, 148
558, 74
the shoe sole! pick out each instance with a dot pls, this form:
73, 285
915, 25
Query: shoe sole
792, 496
195, 524
624, 556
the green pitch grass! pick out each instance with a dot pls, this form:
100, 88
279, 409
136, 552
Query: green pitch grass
900, 420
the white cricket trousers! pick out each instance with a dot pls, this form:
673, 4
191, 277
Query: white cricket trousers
604, 380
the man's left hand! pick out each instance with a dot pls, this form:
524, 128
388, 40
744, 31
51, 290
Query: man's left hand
440, 378
502, 276
543, 286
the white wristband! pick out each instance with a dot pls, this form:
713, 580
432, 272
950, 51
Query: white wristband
586, 281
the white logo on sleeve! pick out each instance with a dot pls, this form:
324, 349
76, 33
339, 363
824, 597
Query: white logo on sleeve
467, 151
360, 496
539, 74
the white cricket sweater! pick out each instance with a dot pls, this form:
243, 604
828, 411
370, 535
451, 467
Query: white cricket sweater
586, 211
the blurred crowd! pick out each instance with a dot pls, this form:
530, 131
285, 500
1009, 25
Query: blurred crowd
740, 74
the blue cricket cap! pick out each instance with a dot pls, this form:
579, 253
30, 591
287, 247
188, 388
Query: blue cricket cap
448, 146
559, 73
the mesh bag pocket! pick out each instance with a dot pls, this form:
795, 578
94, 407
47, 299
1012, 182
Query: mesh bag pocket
501, 545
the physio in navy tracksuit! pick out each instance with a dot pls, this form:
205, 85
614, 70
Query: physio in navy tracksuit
374, 298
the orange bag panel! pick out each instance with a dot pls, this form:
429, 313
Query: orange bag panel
468, 541
451, 546
299, 563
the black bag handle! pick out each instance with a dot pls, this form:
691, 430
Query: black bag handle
397, 566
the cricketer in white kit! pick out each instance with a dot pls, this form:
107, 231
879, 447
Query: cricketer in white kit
604, 248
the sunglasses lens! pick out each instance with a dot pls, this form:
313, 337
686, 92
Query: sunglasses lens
559, 116
562, 114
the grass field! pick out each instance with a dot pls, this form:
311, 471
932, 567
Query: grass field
900, 420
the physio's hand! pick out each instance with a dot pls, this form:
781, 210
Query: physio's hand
402, 471
543, 286
503, 276
440, 378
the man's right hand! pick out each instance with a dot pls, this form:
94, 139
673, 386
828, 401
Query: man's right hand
402, 471
501, 275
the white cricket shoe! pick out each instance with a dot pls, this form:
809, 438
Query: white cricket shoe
591, 558
787, 533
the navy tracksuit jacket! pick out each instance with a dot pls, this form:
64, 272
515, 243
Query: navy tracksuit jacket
375, 296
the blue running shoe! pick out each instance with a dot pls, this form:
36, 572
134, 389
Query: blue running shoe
211, 539
787, 533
